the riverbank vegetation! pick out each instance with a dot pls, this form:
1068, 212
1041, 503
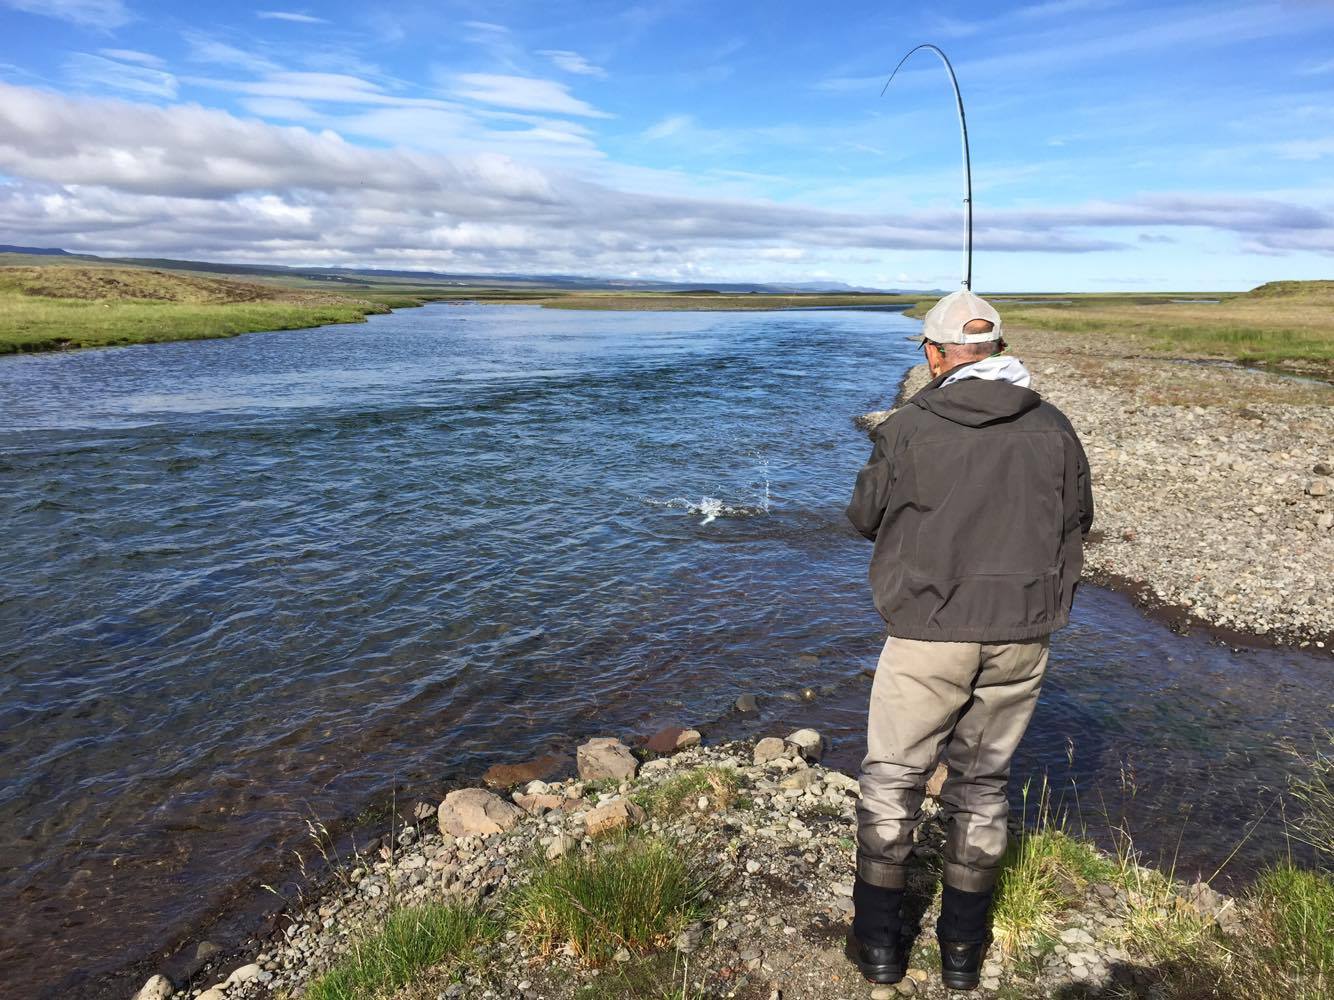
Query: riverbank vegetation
57, 308
743, 890
56, 303
1281, 324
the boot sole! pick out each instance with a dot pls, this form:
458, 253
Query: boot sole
881, 975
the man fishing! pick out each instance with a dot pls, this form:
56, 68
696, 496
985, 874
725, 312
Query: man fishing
977, 497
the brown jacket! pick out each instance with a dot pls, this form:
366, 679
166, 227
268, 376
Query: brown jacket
977, 497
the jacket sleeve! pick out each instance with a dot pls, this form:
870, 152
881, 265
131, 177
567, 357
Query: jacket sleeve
870, 497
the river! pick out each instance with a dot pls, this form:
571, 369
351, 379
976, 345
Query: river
251, 582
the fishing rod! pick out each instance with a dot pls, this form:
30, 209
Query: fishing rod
967, 162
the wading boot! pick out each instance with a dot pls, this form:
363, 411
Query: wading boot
961, 963
876, 945
963, 937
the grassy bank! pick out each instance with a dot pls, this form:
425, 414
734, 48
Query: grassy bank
731, 877
58, 308
1282, 324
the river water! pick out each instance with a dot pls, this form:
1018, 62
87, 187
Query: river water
249, 582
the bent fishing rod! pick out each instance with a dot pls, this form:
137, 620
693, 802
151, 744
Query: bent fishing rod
967, 162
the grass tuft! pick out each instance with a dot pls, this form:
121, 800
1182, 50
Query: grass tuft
635, 892
681, 793
409, 941
1315, 792
1044, 872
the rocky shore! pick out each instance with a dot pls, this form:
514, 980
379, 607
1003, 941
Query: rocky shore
1213, 483
769, 833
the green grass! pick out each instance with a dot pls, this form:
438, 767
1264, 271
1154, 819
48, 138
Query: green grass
681, 793
1296, 913
635, 892
1279, 324
1044, 872
409, 942
1315, 793
58, 308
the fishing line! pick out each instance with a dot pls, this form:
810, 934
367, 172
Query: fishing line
967, 161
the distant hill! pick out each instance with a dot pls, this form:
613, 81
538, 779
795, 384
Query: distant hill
351, 278
36, 251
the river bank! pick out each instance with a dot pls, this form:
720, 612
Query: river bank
1212, 485
727, 872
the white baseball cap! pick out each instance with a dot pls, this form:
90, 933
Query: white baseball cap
945, 322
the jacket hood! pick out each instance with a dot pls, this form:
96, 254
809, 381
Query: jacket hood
975, 402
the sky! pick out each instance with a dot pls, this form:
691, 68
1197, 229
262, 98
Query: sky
1115, 145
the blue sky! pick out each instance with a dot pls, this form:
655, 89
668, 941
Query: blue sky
1115, 145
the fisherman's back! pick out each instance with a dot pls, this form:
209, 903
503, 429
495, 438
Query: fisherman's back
976, 495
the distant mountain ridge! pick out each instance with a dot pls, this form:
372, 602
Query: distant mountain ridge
353, 275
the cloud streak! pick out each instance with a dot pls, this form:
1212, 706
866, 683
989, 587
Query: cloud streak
128, 177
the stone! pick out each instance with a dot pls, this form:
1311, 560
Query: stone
539, 805
747, 704
244, 974
475, 812
619, 815
423, 811
802, 779
1325, 521
212, 994
842, 782
688, 739
509, 775
808, 742
936, 782
1322, 469
605, 757
157, 988
560, 844
1318, 487
769, 748
883, 993
665, 740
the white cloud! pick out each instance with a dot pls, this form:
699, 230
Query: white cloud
100, 73
131, 55
287, 15
103, 14
572, 62
117, 176
206, 49
669, 126
523, 92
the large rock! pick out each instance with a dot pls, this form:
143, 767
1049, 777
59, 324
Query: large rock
808, 742
747, 704
475, 812
157, 988
605, 757
618, 815
769, 748
248, 972
664, 740
539, 803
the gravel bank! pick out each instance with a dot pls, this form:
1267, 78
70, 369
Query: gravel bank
781, 856
1213, 486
